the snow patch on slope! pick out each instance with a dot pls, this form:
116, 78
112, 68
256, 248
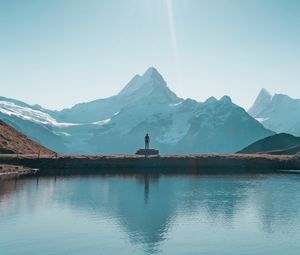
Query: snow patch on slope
29, 114
102, 122
261, 119
179, 128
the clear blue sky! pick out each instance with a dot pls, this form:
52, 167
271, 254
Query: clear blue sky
61, 52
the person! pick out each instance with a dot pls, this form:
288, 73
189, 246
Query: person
147, 141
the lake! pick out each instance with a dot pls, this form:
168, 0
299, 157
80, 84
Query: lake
110, 215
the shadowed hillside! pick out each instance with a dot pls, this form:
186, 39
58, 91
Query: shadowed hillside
275, 144
289, 151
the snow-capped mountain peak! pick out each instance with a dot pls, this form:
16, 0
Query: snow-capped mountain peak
226, 99
149, 80
279, 112
210, 100
152, 73
262, 101
150, 87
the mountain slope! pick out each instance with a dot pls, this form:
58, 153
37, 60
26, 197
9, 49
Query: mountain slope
12, 141
222, 127
279, 112
278, 142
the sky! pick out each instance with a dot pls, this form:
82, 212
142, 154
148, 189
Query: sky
57, 53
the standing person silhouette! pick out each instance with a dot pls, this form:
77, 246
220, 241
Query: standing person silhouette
147, 141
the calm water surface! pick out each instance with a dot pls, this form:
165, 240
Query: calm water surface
151, 215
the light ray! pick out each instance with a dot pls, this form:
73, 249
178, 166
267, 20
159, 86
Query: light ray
173, 34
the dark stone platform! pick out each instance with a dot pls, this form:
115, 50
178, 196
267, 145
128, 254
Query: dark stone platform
147, 152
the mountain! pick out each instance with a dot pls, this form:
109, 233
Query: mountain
118, 124
149, 88
12, 141
275, 144
279, 112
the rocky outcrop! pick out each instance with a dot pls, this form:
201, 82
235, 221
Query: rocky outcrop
14, 171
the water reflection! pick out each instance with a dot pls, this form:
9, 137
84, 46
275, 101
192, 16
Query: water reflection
146, 208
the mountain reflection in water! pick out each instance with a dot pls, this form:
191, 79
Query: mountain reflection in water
155, 212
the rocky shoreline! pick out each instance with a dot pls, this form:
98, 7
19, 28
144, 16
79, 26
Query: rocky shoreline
165, 164
14, 171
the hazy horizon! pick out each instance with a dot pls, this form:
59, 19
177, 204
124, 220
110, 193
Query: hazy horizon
59, 53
